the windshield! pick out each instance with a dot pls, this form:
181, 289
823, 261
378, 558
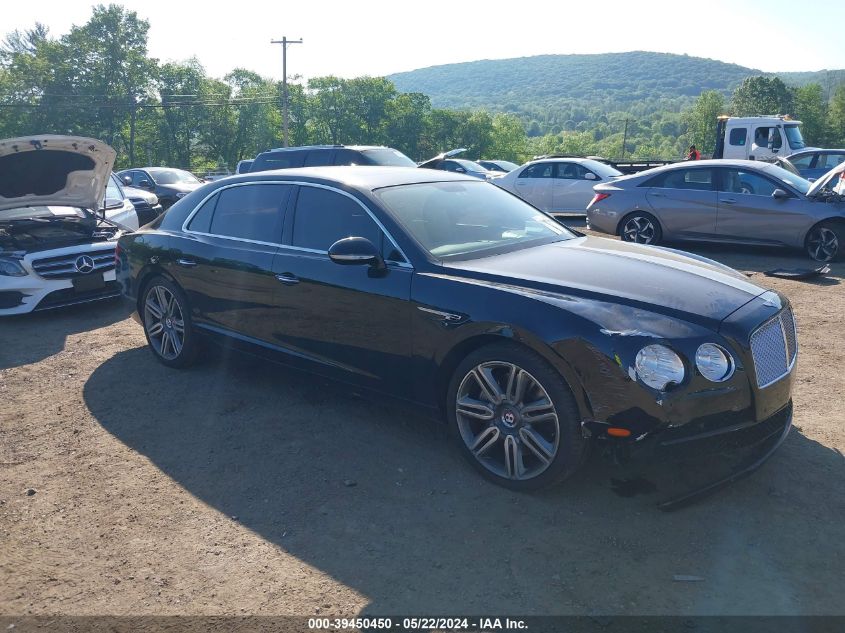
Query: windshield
388, 158
465, 219
173, 176
469, 165
796, 182
601, 169
793, 136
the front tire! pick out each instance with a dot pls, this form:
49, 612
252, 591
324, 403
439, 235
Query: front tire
826, 242
641, 228
514, 418
167, 323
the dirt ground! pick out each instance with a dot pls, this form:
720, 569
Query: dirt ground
237, 487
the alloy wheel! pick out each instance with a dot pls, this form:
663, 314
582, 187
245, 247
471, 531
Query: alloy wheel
164, 322
639, 229
823, 244
507, 420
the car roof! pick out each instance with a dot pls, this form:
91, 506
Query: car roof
355, 176
313, 147
817, 150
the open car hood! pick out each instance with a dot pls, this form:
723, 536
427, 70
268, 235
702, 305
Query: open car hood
449, 154
817, 186
50, 170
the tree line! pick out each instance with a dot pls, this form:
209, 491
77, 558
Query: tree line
99, 80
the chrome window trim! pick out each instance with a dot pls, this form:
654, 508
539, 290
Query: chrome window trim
185, 229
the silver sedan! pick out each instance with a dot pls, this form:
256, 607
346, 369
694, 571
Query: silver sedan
731, 201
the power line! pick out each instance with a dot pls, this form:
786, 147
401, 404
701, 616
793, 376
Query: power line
115, 106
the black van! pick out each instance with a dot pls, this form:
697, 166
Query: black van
322, 155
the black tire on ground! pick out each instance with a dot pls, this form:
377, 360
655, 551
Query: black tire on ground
545, 461
826, 242
164, 311
640, 227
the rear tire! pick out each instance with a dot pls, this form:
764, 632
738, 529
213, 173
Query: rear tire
640, 227
514, 418
166, 318
826, 242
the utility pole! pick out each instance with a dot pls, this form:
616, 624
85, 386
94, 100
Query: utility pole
285, 42
624, 138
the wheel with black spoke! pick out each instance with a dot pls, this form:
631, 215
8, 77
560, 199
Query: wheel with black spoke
515, 418
641, 228
167, 324
826, 242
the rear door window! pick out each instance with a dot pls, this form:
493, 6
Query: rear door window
349, 157
694, 179
278, 160
323, 217
201, 222
319, 158
250, 212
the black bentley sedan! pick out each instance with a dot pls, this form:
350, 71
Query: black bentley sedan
532, 340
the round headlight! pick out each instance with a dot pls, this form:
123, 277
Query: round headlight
714, 362
658, 367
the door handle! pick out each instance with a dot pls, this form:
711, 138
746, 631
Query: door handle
289, 279
728, 200
657, 195
187, 263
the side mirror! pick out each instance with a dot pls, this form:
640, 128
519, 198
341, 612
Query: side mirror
812, 179
590, 176
460, 170
127, 180
780, 194
145, 184
351, 251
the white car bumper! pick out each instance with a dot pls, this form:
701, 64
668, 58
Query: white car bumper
58, 282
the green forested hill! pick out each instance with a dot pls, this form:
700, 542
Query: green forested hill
559, 91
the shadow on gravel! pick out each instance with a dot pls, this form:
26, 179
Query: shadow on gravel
378, 498
29, 338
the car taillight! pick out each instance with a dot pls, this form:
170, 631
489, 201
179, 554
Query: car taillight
117, 253
598, 198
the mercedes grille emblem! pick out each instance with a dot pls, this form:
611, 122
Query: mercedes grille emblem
84, 264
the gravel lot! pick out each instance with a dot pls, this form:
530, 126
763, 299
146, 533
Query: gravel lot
238, 488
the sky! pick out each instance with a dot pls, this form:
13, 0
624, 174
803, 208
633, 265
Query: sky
375, 37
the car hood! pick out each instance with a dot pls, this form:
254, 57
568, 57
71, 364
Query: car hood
133, 192
50, 170
693, 288
824, 180
181, 186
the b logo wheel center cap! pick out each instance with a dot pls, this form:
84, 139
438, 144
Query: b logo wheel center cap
509, 418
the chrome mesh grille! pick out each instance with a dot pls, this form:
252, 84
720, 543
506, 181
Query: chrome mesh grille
64, 266
774, 346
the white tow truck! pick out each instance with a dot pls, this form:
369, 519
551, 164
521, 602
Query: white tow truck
758, 137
